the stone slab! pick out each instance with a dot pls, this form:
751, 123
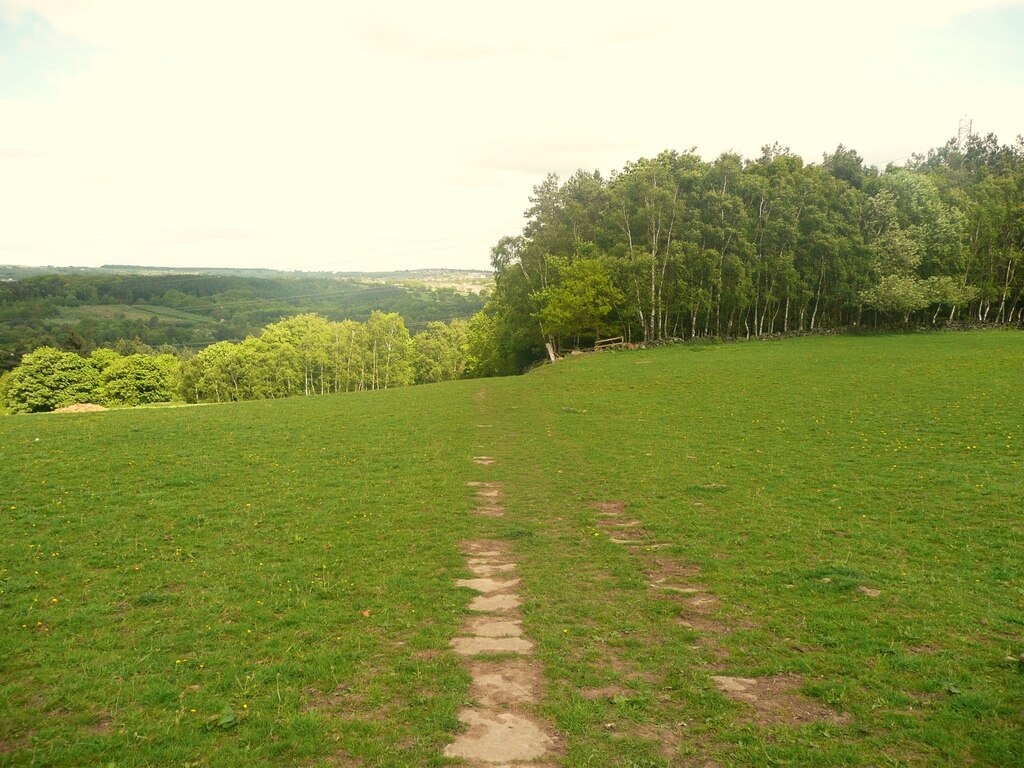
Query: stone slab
493, 626
498, 738
472, 646
494, 603
487, 585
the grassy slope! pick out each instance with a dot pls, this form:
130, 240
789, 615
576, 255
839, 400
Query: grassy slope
214, 562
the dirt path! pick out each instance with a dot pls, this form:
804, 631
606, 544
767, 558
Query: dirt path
502, 728
769, 701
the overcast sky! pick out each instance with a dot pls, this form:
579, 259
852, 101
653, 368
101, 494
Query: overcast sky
397, 135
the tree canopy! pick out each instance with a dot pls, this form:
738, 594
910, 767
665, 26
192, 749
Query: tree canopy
676, 246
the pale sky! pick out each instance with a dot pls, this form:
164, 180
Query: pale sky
334, 135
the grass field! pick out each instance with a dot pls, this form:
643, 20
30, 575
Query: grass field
271, 583
140, 312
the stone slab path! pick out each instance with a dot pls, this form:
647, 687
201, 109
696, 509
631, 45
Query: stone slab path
488, 499
502, 730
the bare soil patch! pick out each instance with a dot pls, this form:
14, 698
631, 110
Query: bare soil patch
493, 626
505, 684
80, 408
485, 547
611, 507
604, 692
103, 727
320, 700
668, 737
489, 511
481, 567
699, 623
704, 603
473, 646
776, 700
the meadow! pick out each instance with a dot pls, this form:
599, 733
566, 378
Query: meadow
272, 582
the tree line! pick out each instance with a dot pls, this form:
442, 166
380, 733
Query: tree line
668, 247
302, 355
83, 312
678, 247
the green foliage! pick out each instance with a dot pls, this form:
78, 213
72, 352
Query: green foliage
902, 294
581, 302
310, 355
737, 247
139, 380
5, 379
137, 313
391, 351
442, 352
49, 378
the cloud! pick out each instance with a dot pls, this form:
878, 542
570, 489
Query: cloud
307, 134
193, 236
386, 36
20, 154
536, 158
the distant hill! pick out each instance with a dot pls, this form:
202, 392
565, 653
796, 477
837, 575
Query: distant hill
80, 308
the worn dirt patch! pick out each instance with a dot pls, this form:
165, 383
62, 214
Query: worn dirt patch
487, 568
485, 460
485, 547
625, 534
665, 568
700, 623
668, 738
473, 646
605, 692
704, 603
102, 727
614, 507
80, 408
776, 700
676, 589
320, 700
489, 512
869, 591
503, 684
493, 626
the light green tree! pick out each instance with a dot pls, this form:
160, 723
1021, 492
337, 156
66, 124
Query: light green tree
441, 351
579, 305
390, 350
139, 380
49, 378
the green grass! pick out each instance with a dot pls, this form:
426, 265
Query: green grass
187, 586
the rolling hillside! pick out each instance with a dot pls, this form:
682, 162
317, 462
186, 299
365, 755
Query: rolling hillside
804, 552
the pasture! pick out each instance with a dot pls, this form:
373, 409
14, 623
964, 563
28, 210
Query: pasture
272, 582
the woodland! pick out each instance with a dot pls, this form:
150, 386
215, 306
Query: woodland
677, 247
672, 247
